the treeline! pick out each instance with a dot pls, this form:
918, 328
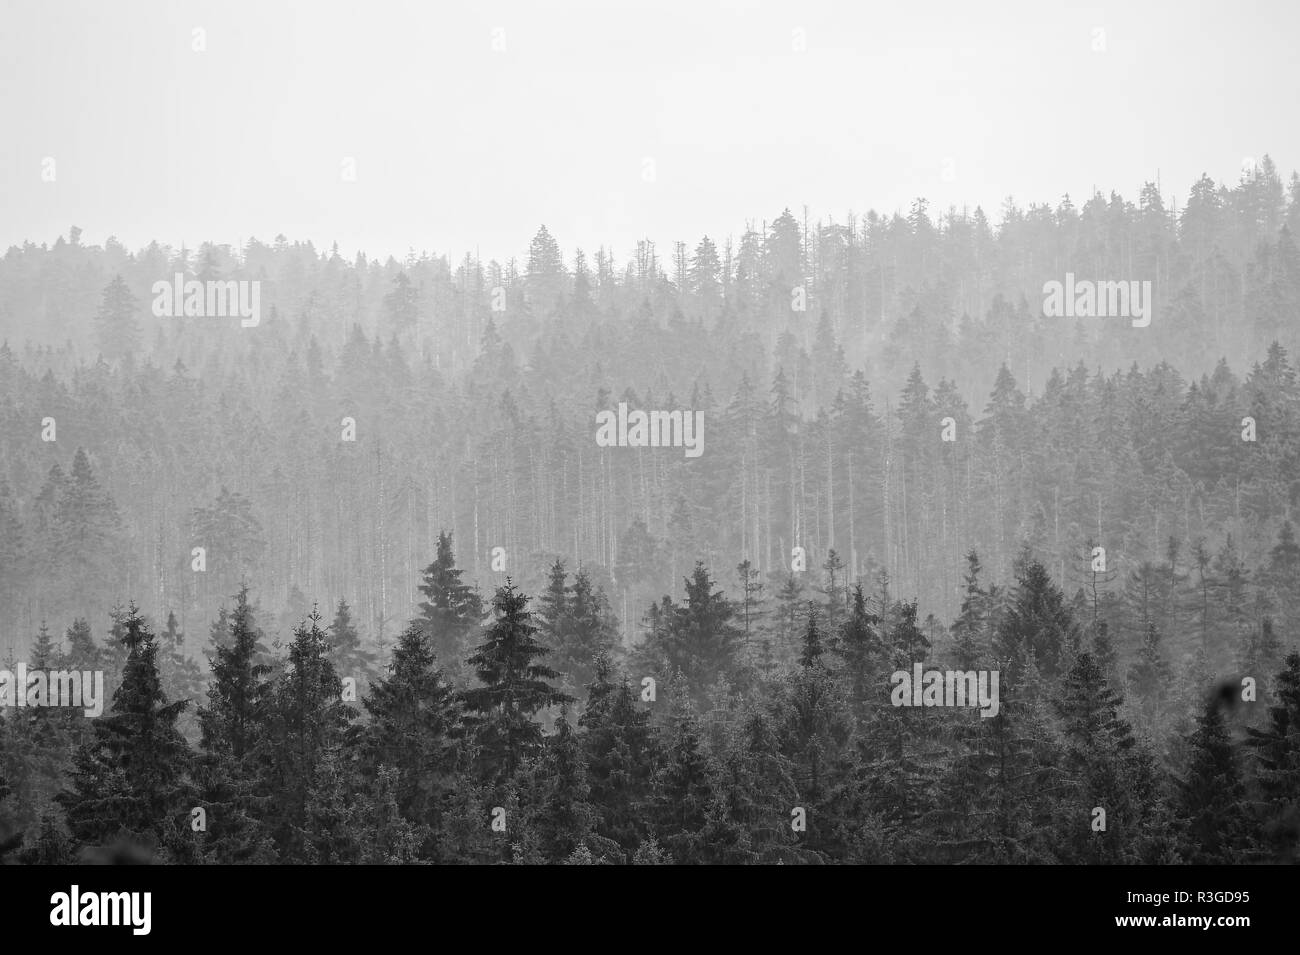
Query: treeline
1198, 478
822, 428
725, 737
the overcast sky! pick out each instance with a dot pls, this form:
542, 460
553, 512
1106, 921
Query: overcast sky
458, 145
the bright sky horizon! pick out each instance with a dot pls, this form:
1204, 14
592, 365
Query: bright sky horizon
473, 123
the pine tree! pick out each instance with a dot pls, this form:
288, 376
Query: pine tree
970, 629
835, 591
386, 834
750, 608
1104, 766
130, 779
553, 606
1038, 623
1282, 576
346, 654
308, 720
812, 642
117, 325
683, 789
234, 729
86, 541
1150, 678
513, 688
451, 610
180, 676
239, 695
1276, 749
862, 651
11, 837
82, 653
51, 847
756, 788
706, 638
1211, 803
589, 629
564, 818
412, 734
785, 617
620, 756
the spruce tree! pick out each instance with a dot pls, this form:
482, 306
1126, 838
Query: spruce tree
513, 687
1039, 623
588, 630
1214, 821
564, 818
308, 721
130, 778
1276, 749
346, 653
117, 322
812, 650
862, 651
1150, 678
234, 731
451, 610
412, 734
620, 756
683, 789
1104, 767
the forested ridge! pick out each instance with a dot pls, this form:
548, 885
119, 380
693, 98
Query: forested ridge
914, 466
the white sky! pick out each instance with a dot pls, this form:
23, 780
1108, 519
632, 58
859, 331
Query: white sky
459, 147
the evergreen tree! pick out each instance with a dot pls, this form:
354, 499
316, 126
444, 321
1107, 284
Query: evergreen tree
683, 789
620, 754
308, 720
130, 778
1276, 749
970, 629
451, 610
1104, 767
513, 687
862, 651
564, 819
117, 324
812, 642
412, 735
589, 629
346, 653
1038, 623
1211, 804
234, 729
1150, 678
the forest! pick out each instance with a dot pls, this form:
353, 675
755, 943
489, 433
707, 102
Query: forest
366, 587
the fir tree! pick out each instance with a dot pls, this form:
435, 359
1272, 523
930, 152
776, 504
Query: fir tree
1276, 749
683, 789
451, 610
620, 756
346, 654
1211, 804
234, 738
412, 733
308, 720
513, 688
130, 779
118, 327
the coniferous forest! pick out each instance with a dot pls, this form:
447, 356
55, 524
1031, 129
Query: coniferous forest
365, 588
